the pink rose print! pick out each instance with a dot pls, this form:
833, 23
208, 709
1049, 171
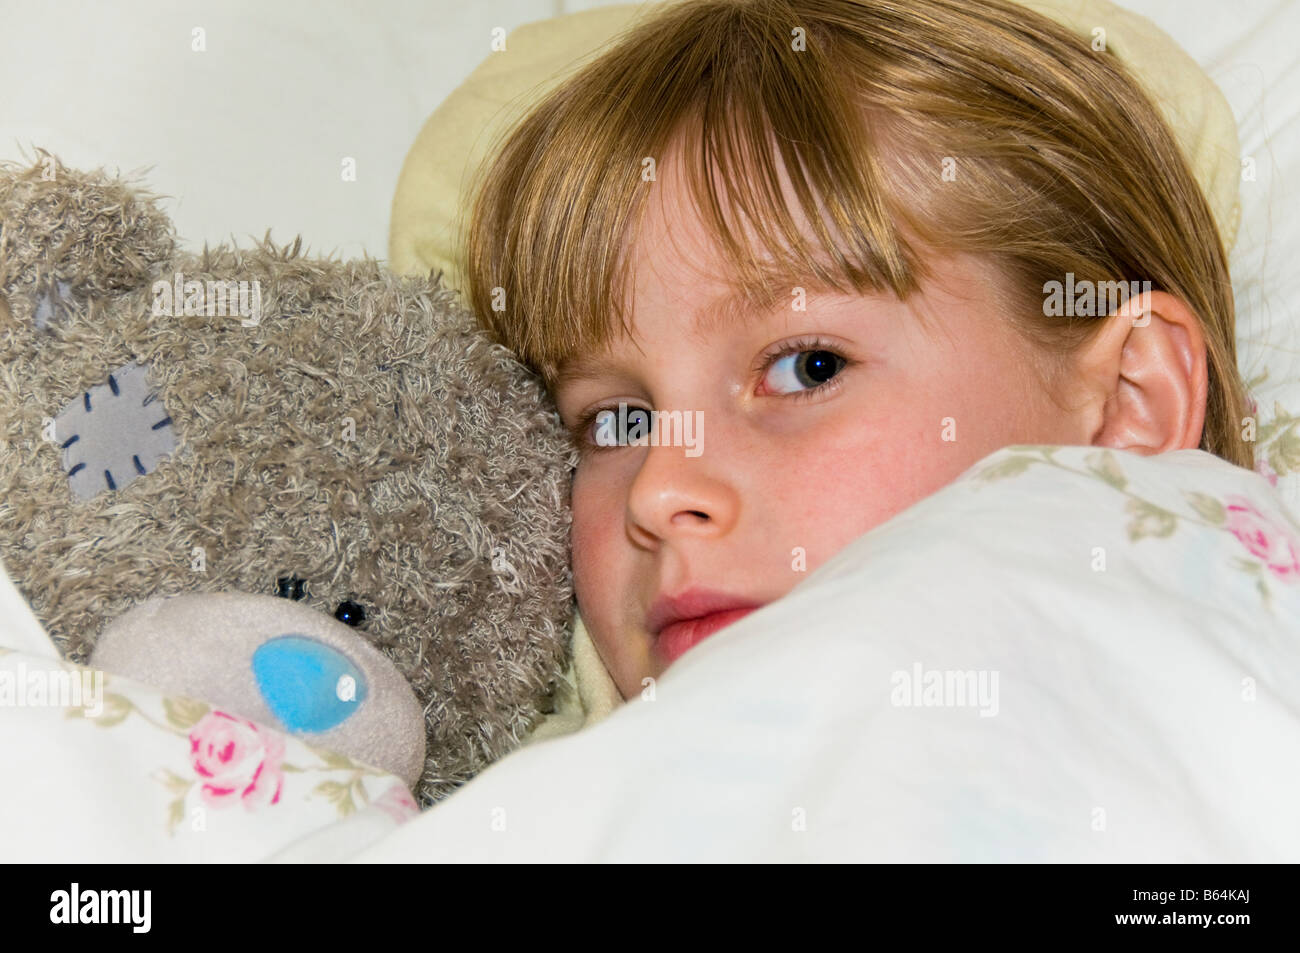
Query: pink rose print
1266, 471
1274, 545
238, 761
397, 803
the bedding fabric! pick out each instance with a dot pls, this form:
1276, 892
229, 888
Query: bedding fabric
1066, 654
102, 769
1069, 654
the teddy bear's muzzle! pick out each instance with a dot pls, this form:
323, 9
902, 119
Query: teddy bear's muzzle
277, 662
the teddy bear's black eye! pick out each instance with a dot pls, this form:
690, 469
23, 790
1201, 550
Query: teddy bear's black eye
291, 587
350, 613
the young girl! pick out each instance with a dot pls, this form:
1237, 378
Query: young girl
827, 230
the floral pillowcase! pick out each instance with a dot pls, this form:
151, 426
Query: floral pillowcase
104, 769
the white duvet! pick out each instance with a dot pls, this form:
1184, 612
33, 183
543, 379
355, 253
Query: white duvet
1067, 654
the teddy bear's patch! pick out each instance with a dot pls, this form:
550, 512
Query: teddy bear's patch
48, 305
113, 433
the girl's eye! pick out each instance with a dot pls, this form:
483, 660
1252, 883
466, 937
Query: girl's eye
802, 370
610, 427
796, 369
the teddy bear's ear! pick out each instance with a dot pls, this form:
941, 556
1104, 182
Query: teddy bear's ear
68, 236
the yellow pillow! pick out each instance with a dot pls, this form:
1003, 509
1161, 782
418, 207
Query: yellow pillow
427, 207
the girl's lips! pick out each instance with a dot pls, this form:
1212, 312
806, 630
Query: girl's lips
674, 640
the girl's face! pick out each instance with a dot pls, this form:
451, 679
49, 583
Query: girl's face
812, 427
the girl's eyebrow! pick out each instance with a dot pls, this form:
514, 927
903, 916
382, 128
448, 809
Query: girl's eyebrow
761, 300
723, 309
574, 370
731, 306
590, 366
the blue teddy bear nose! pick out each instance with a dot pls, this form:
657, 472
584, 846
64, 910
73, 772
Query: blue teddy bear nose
308, 685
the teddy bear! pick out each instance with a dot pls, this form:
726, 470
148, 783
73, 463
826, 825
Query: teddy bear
304, 488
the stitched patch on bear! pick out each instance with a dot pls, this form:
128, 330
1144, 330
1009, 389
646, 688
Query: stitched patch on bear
113, 433
49, 303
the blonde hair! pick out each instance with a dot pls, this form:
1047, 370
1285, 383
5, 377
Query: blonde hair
1062, 163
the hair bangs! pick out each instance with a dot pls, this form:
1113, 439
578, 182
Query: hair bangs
775, 157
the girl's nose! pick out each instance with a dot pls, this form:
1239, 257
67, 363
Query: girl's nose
678, 496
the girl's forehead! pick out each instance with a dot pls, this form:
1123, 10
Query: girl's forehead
709, 246
685, 204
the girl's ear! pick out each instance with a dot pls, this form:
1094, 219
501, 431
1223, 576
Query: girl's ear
1145, 376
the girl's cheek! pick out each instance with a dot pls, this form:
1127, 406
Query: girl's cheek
593, 526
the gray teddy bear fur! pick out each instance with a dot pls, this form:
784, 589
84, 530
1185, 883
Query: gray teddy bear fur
356, 442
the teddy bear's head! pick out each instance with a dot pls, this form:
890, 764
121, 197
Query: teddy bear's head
260, 422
